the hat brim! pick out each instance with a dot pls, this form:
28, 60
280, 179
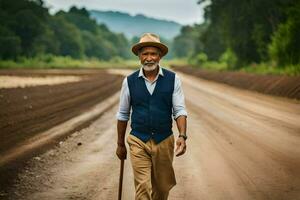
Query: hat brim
164, 49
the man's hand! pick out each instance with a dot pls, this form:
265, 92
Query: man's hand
180, 146
121, 152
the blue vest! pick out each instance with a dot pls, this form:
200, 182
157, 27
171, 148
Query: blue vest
151, 114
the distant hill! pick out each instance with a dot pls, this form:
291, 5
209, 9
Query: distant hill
136, 25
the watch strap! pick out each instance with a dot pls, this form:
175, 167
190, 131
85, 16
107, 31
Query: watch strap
183, 136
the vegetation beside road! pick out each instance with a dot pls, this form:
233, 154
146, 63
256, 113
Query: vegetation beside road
231, 38
257, 37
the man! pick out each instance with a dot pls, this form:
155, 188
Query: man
154, 94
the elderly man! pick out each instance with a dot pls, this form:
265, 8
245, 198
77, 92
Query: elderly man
154, 94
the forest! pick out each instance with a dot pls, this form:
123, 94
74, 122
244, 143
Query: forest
241, 33
261, 35
27, 29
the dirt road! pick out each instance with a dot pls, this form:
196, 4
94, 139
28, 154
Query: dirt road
242, 145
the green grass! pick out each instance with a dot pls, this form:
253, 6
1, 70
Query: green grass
49, 61
177, 61
212, 65
263, 68
56, 62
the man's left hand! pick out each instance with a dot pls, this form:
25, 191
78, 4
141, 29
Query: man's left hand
180, 146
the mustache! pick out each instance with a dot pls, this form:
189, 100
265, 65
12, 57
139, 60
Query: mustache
151, 63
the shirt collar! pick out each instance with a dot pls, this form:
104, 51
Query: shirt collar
160, 72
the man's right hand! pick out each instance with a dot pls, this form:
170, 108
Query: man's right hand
121, 152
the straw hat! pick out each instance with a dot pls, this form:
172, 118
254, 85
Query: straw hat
150, 40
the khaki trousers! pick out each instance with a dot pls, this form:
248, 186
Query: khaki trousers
152, 167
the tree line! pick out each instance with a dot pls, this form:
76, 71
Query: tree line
244, 32
27, 29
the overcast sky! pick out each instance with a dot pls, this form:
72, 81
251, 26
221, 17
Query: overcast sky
181, 11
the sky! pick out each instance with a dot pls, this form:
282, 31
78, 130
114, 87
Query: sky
185, 12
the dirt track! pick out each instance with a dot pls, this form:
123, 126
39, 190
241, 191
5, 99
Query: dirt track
26, 112
242, 145
30, 110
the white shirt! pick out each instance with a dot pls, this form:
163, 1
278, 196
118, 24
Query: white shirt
177, 97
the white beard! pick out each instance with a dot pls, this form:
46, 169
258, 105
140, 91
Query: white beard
150, 67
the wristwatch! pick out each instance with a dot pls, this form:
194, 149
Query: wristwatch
183, 136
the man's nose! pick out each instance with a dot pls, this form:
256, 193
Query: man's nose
149, 58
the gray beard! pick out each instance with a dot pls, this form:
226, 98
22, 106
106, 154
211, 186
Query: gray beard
150, 67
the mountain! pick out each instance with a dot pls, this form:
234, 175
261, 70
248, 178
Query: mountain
136, 25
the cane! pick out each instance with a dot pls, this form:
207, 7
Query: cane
121, 180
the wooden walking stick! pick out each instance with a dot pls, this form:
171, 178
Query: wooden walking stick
121, 180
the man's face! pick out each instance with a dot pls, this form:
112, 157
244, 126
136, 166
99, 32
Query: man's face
149, 57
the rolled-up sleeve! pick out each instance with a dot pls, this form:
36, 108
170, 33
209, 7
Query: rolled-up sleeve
178, 99
124, 105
